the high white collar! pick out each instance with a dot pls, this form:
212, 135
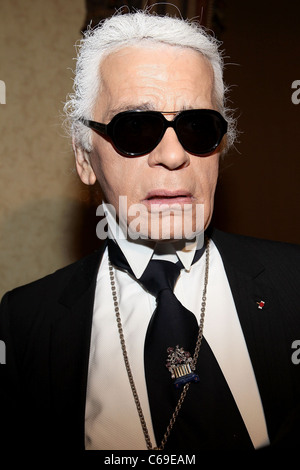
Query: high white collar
139, 252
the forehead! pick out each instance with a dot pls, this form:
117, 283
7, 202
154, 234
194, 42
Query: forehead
156, 78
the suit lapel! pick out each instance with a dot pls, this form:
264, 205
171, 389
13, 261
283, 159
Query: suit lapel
262, 329
70, 348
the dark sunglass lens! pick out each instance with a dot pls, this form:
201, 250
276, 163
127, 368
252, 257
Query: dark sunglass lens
137, 133
200, 132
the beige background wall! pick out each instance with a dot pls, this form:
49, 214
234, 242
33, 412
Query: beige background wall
39, 190
46, 216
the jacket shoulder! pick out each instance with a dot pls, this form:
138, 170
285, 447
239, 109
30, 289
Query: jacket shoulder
235, 243
55, 283
279, 260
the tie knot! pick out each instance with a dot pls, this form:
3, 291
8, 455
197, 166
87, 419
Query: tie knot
160, 275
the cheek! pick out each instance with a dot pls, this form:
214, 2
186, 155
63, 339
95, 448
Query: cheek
206, 172
106, 170
214, 173
209, 186
115, 174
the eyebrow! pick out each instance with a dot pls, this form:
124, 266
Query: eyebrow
147, 106
130, 107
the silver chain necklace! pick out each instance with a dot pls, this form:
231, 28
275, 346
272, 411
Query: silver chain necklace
127, 364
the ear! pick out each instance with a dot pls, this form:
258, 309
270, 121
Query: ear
83, 166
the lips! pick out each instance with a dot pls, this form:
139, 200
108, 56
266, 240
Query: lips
163, 196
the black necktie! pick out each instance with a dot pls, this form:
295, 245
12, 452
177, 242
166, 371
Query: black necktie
209, 416
171, 323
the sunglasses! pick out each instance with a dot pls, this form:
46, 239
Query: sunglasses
136, 133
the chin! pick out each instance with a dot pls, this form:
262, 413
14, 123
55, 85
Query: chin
165, 229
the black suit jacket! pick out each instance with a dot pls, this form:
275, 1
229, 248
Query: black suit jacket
46, 327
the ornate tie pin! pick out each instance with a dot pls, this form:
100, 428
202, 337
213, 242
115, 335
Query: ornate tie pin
179, 364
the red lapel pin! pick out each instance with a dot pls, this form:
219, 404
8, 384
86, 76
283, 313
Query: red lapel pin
261, 304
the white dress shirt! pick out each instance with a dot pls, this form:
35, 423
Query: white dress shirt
112, 421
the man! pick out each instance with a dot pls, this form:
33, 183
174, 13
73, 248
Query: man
90, 362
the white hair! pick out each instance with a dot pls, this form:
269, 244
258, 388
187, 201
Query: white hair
137, 29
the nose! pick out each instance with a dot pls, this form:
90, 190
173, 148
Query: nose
169, 153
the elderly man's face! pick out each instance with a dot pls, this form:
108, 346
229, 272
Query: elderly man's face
164, 79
